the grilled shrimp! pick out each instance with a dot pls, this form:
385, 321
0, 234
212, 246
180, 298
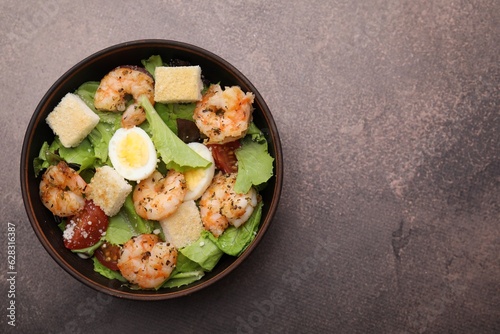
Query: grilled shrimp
133, 115
62, 190
157, 197
224, 115
121, 83
147, 261
220, 205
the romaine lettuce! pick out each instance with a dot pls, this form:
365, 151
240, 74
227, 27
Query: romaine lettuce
86, 92
255, 165
106, 272
151, 63
185, 272
126, 224
203, 251
183, 278
100, 137
175, 153
233, 241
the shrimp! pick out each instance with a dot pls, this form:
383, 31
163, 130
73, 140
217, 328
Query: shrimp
62, 190
147, 261
157, 197
220, 205
121, 83
224, 115
132, 116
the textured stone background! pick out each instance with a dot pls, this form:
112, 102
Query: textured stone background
388, 113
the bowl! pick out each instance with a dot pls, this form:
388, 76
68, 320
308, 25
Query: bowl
93, 68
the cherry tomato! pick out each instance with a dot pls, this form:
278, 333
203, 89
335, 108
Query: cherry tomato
108, 254
225, 157
86, 227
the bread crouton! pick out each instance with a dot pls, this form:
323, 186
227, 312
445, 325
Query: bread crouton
72, 120
179, 84
184, 226
108, 190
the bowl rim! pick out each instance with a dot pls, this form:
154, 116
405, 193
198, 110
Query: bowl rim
25, 169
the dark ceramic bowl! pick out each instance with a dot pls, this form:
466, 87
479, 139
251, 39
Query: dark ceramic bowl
93, 68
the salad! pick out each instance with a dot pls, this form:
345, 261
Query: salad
154, 173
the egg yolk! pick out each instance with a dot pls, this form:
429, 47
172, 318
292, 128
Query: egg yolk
193, 177
132, 151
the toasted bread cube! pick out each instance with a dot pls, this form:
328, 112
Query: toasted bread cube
184, 226
179, 84
72, 120
108, 190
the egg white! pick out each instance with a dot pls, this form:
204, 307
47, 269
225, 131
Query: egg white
141, 146
198, 179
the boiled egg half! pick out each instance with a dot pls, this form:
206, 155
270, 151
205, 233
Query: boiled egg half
198, 179
132, 153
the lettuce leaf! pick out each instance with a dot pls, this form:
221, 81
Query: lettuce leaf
89, 251
87, 92
45, 158
100, 137
255, 164
170, 114
82, 155
184, 278
204, 252
106, 272
152, 63
174, 152
126, 224
234, 240
166, 112
185, 272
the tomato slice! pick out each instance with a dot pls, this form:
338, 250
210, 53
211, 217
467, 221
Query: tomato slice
225, 157
85, 228
108, 254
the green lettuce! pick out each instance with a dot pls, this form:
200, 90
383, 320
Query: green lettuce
55, 152
87, 92
171, 112
174, 152
204, 252
234, 240
166, 113
152, 63
183, 278
106, 272
126, 224
255, 164
82, 155
100, 137
185, 272
89, 251
46, 157
120, 229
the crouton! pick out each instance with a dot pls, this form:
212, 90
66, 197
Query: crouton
108, 190
184, 226
179, 84
72, 120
